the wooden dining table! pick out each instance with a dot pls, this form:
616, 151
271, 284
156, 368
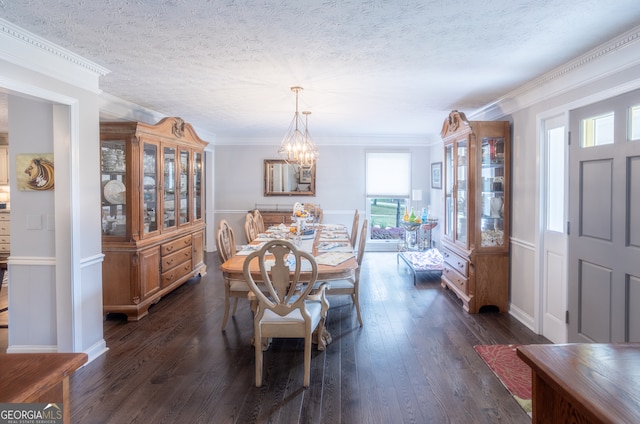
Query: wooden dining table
233, 269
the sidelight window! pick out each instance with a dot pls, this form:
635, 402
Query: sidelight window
634, 123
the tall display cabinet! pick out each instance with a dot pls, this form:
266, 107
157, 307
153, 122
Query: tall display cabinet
152, 212
477, 200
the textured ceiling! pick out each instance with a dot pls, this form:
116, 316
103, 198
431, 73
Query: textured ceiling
368, 68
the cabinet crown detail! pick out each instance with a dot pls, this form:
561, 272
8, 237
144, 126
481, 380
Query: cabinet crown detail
453, 123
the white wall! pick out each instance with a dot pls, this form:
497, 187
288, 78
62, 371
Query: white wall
56, 240
32, 263
340, 183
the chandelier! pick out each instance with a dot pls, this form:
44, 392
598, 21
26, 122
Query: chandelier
297, 147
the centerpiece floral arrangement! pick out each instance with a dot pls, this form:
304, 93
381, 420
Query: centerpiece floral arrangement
301, 218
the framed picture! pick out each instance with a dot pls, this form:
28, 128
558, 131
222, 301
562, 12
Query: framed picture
35, 172
436, 175
306, 174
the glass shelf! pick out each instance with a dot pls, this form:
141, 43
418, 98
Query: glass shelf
113, 177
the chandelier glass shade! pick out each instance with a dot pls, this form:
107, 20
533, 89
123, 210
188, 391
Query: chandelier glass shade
297, 147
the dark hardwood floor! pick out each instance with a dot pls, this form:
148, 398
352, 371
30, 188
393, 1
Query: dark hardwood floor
412, 362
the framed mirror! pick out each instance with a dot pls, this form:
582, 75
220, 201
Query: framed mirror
283, 179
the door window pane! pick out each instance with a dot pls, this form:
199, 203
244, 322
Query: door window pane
597, 131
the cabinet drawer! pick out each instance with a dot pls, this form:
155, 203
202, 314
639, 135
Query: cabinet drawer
175, 273
4, 247
173, 259
4, 227
4, 217
5, 239
456, 262
458, 280
175, 245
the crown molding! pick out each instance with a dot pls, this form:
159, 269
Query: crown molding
114, 108
28, 50
608, 59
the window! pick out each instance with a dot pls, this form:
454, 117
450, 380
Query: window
388, 191
555, 179
634, 123
597, 131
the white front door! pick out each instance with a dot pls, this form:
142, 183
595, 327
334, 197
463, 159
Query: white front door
554, 235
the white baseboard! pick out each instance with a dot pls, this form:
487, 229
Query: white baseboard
32, 349
520, 315
96, 350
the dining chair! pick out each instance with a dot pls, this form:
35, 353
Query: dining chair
354, 228
236, 289
288, 309
257, 216
315, 210
250, 228
351, 284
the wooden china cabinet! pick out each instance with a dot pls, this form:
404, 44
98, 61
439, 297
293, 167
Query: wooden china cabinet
475, 242
152, 212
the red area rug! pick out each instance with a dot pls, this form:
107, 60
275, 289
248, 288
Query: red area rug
514, 374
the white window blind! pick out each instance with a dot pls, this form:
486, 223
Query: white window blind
388, 174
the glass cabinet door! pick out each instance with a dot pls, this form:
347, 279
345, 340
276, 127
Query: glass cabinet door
448, 191
150, 187
461, 191
114, 209
184, 187
197, 186
492, 192
169, 187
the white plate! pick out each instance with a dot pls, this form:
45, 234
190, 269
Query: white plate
149, 182
114, 192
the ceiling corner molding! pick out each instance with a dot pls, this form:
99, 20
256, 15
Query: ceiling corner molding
616, 55
114, 108
23, 48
